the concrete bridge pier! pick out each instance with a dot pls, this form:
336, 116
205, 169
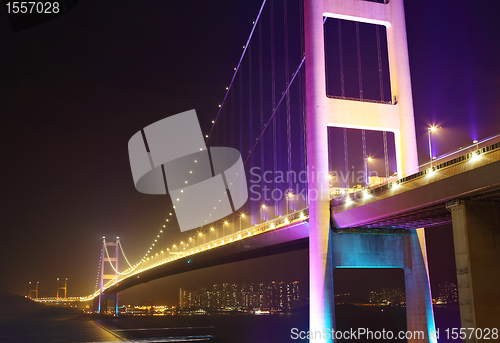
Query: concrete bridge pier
405, 250
105, 301
476, 235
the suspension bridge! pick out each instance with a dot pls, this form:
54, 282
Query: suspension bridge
314, 53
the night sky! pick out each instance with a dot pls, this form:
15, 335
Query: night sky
74, 90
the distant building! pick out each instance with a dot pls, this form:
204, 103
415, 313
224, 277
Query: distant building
272, 297
447, 293
388, 296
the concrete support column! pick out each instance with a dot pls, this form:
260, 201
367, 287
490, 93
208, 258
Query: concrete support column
405, 251
320, 278
476, 235
399, 65
419, 312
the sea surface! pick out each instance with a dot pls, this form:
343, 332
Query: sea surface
62, 326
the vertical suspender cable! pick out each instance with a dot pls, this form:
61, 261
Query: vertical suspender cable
287, 80
302, 98
326, 79
250, 124
303, 151
341, 59
385, 155
261, 104
346, 162
363, 138
250, 100
241, 112
326, 54
360, 81
382, 98
342, 93
224, 125
379, 54
358, 50
232, 119
273, 99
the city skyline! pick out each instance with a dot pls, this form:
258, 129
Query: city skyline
272, 296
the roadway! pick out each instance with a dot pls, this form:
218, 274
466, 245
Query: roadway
419, 200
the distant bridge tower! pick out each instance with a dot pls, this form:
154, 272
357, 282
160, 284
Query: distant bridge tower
396, 117
65, 288
34, 290
112, 260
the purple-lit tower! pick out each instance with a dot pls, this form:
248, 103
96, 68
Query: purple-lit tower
327, 249
104, 278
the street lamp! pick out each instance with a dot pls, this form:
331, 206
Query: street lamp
223, 234
262, 208
429, 130
289, 196
242, 216
367, 180
477, 144
211, 229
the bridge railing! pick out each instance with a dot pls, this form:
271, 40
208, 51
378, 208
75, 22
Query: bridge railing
370, 191
267, 226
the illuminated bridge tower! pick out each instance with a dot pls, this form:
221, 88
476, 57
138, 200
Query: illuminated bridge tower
328, 250
62, 288
108, 262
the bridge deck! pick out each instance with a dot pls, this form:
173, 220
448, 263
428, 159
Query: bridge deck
289, 232
409, 203
419, 199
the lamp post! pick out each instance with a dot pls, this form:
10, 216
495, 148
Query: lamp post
289, 196
477, 144
242, 216
211, 229
262, 208
368, 159
429, 130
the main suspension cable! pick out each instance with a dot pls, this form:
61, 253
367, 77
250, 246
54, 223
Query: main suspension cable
116, 271
239, 64
123, 253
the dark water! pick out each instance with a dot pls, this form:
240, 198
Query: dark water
74, 328
220, 328
70, 327
447, 317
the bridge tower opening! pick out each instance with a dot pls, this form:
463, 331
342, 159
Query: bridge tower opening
380, 302
395, 116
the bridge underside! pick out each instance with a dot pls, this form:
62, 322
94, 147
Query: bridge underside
425, 217
290, 238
